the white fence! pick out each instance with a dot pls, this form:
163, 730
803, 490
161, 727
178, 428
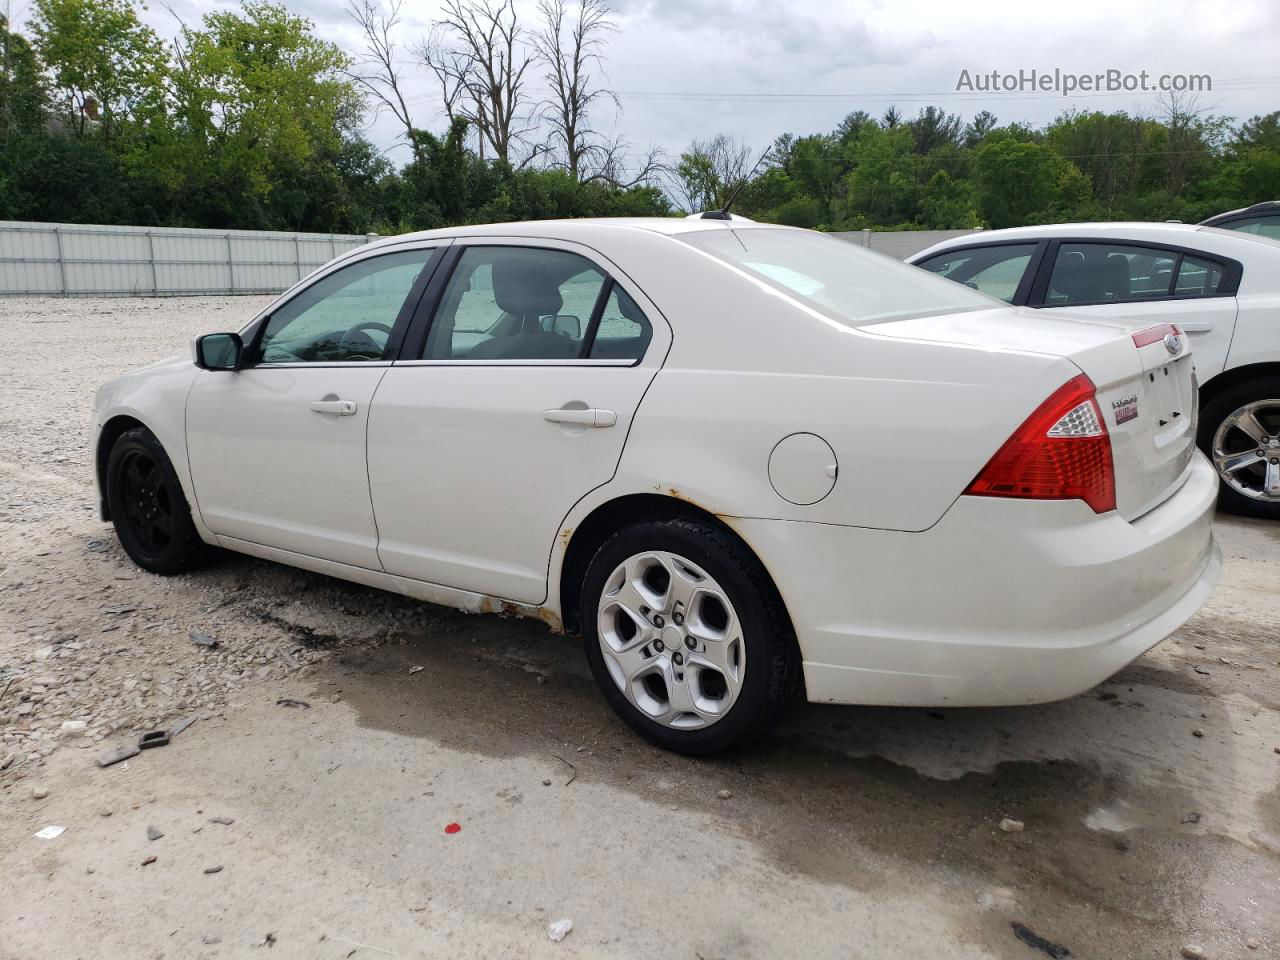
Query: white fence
899, 243
84, 260
66, 259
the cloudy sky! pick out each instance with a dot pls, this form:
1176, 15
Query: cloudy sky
687, 69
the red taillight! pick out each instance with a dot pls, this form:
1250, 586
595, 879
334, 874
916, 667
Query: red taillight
1061, 452
1149, 335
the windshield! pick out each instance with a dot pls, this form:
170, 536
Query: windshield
844, 281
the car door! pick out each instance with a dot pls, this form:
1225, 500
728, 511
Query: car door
512, 399
1164, 284
1002, 270
277, 447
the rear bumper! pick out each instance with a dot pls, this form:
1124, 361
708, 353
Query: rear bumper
1001, 602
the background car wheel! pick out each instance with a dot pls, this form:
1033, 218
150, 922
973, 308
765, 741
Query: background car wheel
148, 508
686, 636
1240, 433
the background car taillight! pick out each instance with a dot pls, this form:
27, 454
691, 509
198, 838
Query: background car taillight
1061, 452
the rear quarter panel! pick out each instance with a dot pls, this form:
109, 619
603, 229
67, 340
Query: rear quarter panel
911, 422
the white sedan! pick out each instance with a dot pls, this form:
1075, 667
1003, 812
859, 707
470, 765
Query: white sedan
741, 460
1220, 287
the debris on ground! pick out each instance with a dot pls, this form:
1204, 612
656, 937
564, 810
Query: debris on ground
1193, 951
73, 728
39, 792
116, 755
268, 941
291, 702
725, 794
181, 725
570, 766
1197, 732
1192, 817
1033, 939
1253, 943
201, 640
1012, 826
209, 940
211, 870
415, 669
153, 738
559, 930
225, 821
50, 832
154, 834
452, 828
150, 860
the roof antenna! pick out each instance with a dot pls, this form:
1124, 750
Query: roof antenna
723, 212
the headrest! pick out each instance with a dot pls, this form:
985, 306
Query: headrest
1115, 276
524, 288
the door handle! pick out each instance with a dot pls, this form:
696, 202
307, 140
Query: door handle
343, 408
591, 417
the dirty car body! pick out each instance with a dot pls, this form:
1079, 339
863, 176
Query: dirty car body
712, 447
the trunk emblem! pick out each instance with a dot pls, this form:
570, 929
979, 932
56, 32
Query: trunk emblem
1126, 408
1173, 343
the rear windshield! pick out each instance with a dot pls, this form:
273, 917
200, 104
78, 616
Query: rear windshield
847, 282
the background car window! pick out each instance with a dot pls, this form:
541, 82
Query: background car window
996, 271
624, 331
1104, 272
1197, 277
515, 303
1266, 226
346, 316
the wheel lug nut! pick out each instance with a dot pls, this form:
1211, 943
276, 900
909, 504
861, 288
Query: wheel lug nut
658, 621
659, 645
677, 618
691, 643
677, 659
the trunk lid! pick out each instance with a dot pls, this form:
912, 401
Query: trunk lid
1145, 383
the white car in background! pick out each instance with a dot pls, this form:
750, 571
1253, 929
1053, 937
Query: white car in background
1219, 287
737, 458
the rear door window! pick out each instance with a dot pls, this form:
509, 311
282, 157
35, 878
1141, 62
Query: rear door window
1110, 272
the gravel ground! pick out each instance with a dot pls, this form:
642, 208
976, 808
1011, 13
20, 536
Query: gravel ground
1151, 806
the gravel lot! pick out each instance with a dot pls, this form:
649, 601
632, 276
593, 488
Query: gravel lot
1151, 805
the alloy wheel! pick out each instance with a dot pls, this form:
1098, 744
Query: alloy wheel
671, 639
1246, 450
148, 502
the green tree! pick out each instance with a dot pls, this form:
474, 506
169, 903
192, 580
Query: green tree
257, 96
106, 65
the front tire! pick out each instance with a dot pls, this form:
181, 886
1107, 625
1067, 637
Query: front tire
686, 636
1240, 432
148, 509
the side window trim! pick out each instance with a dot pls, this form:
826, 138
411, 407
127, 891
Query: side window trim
1227, 287
399, 328
597, 312
414, 345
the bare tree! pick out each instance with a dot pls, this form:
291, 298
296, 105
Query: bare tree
452, 69
480, 54
612, 164
375, 68
568, 45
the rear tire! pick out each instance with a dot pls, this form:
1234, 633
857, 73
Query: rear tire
148, 508
1243, 421
687, 636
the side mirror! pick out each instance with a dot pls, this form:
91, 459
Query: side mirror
567, 325
218, 351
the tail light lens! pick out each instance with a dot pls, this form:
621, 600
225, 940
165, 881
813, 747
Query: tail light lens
1061, 452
